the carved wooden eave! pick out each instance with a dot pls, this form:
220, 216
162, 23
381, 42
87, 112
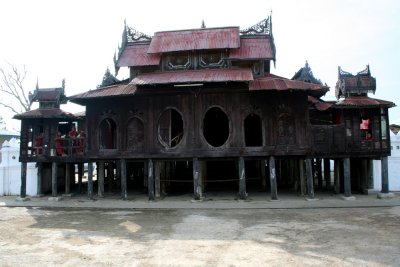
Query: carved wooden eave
264, 27
129, 35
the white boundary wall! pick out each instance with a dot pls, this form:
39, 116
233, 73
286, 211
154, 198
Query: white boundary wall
10, 171
394, 166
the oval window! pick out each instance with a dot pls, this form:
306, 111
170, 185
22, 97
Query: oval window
216, 127
170, 128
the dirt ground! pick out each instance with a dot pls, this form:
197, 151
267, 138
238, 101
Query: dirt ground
209, 237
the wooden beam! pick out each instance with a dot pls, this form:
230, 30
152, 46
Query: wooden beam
346, 177
54, 169
90, 181
100, 179
24, 166
242, 179
385, 175
309, 179
150, 179
124, 186
272, 178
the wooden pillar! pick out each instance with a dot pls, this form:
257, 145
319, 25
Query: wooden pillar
319, 173
385, 175
242, 179
90, 181
54, 179
110, 176
336, 172
80, 176
100, 179
67, 178
39, 178
24, 166
272, 178
150, 179
157, 175
346, 177
327, 173
263, 175
124, 186
197, 191
303, 188
310, 179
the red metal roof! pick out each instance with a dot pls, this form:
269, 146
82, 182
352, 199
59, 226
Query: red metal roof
273, 82
46, 113
136, 55
199, 39
319, 104
113, 90
363, 101
253, 47
191, 76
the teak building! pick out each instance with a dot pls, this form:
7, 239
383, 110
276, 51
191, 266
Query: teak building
201, 111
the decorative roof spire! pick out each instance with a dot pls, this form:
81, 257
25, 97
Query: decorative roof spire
203, 25
263, 27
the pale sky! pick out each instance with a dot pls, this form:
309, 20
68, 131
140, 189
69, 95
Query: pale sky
76, 39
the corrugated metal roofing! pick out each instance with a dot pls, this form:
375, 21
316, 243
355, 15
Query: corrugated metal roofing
191, 76
199, 39
363, 101
273, 82
46, 113
48, 94
113, 90
136, 55
253, 47
319, 104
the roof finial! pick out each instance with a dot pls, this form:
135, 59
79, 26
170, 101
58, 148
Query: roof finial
37, 83
203, 25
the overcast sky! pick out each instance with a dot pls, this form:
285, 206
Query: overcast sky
76, 40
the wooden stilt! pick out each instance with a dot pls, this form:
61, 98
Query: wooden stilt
100, 179
272, 178
124, 186
327, 173
157, 175
385, 175
197, 192
150, 179
346, 177
80, 176
67, 178
337, 171
242, 179
24, 166
54, 169
310, 179
303, 188
90, 181
39, 179
263, 175
319, 173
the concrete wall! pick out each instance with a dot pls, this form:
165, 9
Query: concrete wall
394, 166
10, 171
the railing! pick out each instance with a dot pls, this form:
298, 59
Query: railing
62, 147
